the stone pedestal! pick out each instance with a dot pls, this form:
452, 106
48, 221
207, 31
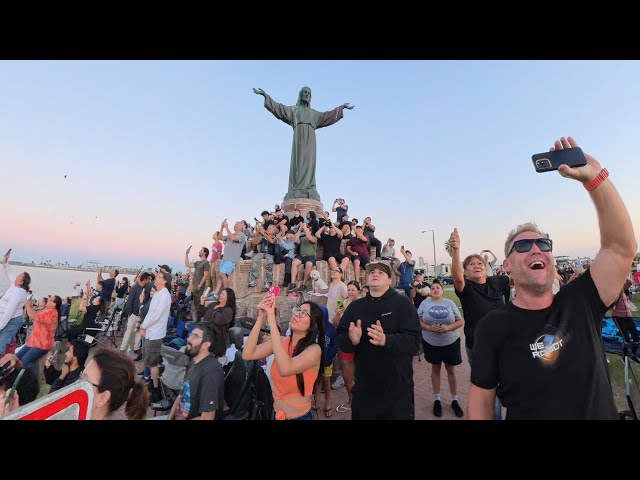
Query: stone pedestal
303, 204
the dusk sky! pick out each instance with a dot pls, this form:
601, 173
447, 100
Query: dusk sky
158, 153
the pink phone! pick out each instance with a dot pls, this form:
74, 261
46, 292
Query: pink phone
273, 292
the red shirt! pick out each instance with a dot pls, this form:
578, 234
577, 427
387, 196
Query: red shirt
44, 329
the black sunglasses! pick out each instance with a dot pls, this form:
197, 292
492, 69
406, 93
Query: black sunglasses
522, 246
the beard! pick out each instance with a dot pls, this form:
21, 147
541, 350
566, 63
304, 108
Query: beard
533, 286
192, 350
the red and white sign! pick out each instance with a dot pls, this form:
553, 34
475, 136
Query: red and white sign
73, 402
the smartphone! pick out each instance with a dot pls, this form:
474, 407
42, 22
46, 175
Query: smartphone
224, 221
340, 303
8, 253
206, 292
550, 161
12, 392
5, 371
273, 292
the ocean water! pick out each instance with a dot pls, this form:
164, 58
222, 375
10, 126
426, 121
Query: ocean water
49, 281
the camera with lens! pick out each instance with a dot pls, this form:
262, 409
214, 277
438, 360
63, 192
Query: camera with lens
543, 164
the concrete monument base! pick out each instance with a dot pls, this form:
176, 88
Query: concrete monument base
303, 204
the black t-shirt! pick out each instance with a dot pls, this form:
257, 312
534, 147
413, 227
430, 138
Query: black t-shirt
331, 243
266, 247
293, 221
107, 288
122, 290
370, 234
550, 363
417, 300
90, 316
203, 389
479, 299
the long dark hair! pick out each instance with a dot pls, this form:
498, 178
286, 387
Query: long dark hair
118, 375
58, 301
102, 307
314, 335
231, 301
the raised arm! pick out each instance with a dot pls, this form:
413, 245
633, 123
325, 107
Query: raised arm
457, 272
187, 263
253, 351
100, 278
31, 313
617, 240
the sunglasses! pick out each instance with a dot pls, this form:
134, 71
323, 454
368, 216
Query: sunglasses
523, 246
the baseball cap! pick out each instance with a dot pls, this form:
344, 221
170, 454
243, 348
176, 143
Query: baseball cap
166, 268
380, 266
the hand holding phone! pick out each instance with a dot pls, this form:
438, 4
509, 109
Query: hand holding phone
273, 292
340, 303
13, 388
550, 161
8, 253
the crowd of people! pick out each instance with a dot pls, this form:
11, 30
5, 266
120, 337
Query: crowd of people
525, 323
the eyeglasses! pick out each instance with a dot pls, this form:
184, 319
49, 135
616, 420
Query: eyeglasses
522, 246
194, 335
335, 270
301, 312
84, 377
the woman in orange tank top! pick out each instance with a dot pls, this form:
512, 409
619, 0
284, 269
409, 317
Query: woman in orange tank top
297, 358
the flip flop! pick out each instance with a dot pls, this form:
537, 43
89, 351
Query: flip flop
328, 412
342, 408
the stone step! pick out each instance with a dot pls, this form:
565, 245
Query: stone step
239, 279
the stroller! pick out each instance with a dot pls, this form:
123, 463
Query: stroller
174, 367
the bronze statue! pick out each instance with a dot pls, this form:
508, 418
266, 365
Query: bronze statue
305, 121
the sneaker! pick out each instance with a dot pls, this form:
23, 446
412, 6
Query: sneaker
437, 408
292, 287
265, 287
138, 358
251, 284
338, 384
456, 409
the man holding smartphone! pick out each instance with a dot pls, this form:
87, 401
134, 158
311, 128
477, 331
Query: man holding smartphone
543, 354
12, 303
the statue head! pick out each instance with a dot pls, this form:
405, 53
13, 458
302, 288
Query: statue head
304, 97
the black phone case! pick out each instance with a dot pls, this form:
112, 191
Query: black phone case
550, 161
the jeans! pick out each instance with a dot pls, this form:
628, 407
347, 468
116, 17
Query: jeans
30, 355
497, 408
8, 333
306, 416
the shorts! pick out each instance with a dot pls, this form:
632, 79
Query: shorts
304, 260
328, 371
364, 259
449, 354
338, 256
227, 267
151, 350
346, 356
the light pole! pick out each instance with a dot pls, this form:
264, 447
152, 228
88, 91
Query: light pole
433, 237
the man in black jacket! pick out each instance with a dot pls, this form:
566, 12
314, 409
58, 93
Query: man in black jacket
384, 354
74, 361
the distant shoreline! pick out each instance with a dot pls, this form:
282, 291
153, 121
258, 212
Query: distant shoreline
122, 270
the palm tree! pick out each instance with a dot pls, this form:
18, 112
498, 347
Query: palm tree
447, 246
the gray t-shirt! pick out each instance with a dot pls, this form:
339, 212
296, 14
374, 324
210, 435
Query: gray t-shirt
388, 251
444, 312
233, 250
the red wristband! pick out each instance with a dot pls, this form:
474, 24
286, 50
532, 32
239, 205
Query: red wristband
601, 177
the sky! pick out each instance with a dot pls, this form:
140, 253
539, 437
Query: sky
157, 153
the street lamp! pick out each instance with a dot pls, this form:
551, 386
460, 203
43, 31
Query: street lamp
433, 236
